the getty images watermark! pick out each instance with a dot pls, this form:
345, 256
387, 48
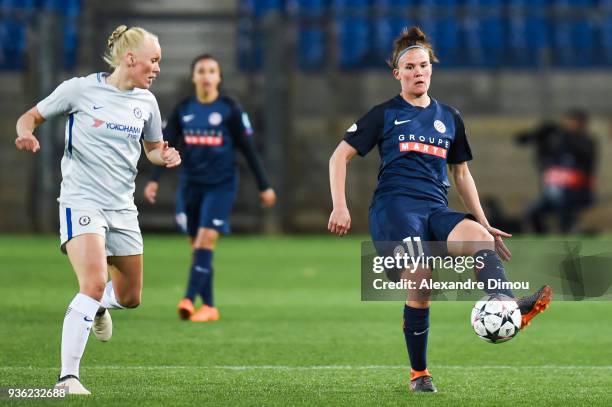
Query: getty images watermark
413, 269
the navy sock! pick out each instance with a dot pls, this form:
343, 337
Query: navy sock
200, 269
416, 331
492, 269
206, 289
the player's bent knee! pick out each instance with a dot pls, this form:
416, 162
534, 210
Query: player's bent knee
479, 240
204, 244
93, 289
130, 302
485, 236
206, 239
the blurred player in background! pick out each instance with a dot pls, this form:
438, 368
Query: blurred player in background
417, 137
566, 157
107, 114
208, 127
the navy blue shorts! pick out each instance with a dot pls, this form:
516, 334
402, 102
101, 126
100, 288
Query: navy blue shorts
205, 206
396, 218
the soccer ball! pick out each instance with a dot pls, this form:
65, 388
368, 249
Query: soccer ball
496, 318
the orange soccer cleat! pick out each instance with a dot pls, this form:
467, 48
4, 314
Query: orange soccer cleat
421, 381
205, 314
185, 309
534, 304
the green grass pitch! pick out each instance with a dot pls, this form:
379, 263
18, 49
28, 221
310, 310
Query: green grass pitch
293, 331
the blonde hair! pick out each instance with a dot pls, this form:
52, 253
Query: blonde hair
411, 37
122, 40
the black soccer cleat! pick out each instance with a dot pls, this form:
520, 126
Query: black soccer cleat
423, 384
534, 304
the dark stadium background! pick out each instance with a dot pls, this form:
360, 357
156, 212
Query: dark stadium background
305, 70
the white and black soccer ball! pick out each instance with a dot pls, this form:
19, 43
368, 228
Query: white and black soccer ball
496, 318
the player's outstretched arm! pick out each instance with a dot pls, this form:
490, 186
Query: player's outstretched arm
340, 218
26, 124
159, 153
466, 187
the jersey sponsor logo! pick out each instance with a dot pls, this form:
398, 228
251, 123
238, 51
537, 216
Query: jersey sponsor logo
124, 128
218, 222
438, 125
131, 130
188, 117
137, 113
205, 138
215, 119
84, 220
97, 107
352, 129
408, 146
431, 140
398, 122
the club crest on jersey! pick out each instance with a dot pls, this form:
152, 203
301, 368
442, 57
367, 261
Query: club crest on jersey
137, 113
84, 220
215, 119
438, 125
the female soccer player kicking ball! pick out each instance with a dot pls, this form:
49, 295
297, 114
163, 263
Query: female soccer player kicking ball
107, 114
209, 127
417, 137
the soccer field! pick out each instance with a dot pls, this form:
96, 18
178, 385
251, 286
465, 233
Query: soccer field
293, 331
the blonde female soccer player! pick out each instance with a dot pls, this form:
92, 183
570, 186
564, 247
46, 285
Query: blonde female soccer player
107, 114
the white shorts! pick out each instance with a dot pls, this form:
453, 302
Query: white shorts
119, 228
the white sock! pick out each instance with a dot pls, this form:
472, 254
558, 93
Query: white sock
109, 300
77, 324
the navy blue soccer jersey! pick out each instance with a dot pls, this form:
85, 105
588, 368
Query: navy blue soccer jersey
207, 136
415, 144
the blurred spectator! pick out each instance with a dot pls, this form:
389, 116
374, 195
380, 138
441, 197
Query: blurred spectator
566, 155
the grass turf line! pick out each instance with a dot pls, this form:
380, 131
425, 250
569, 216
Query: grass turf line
292, 332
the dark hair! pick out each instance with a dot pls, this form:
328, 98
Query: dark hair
410, 37
201, 57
